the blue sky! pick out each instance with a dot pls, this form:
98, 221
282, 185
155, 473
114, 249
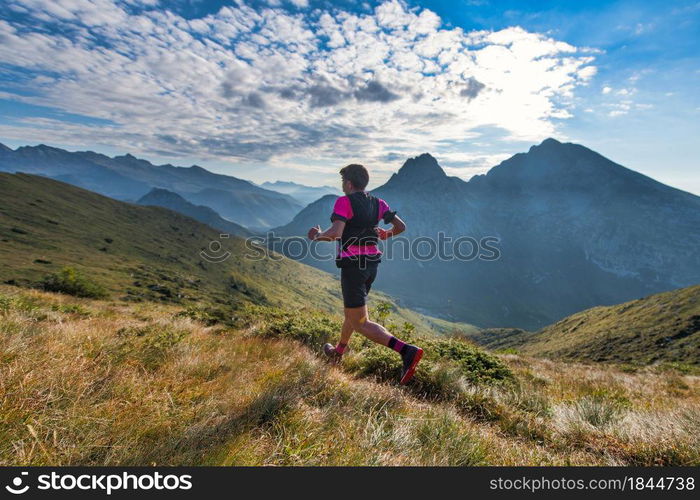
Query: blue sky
294, 89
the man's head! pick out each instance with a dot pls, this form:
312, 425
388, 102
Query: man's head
355, 178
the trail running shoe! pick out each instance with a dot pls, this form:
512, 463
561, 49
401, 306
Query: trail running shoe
333, 355
411, 357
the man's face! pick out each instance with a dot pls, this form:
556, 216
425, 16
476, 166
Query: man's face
347, 187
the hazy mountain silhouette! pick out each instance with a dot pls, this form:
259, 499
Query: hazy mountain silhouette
129, 178
576, 230
173, 201
303, 194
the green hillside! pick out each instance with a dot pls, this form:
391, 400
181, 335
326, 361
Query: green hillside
150, 253
660, 328
180, 361
109, 382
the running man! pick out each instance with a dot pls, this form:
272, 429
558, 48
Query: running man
355, 222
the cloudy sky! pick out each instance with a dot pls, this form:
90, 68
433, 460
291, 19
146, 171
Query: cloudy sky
295, 89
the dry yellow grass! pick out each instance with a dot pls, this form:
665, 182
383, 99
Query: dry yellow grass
107, 383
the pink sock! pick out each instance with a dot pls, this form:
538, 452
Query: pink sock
396, 344
340, 348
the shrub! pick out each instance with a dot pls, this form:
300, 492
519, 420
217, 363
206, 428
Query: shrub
210, 315
310, 328
442, 374
70, 281
5, 304
30, 307
76, 309
377, 361
476, 365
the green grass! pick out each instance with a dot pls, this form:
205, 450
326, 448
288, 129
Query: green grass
662, 329
105, 382
147, 254
185, 362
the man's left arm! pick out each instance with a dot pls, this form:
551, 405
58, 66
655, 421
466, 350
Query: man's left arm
397, 227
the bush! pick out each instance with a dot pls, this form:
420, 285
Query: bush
210, 315
476, 365
76, 309
5, 304
447, 366
376, 361
310, 328
70, 281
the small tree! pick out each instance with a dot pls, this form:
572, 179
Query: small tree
408, 330
382, 312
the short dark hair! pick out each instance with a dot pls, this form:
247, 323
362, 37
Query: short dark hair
356, 174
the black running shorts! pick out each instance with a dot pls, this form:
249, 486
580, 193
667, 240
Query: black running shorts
356, 281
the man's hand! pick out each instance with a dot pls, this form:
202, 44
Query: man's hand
382, 234
313, 232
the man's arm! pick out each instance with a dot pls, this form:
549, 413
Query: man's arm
331, 234
397, 227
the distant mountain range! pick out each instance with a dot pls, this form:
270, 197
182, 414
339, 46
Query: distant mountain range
575, 230
129, 178
304, 194
143, 253
167, 199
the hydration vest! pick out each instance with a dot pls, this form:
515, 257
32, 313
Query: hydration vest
360, 228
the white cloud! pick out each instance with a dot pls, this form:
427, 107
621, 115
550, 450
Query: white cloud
269, 84
607, 90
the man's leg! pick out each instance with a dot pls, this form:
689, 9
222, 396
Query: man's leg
336, 353
345, 334
358, 317
355, 284
410, 354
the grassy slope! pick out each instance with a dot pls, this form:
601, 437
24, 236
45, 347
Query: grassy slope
148, 253
117, 383
660, 328
159, 379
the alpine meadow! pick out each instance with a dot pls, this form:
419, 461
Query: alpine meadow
327, 233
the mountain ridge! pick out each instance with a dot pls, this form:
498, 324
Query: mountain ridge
568, 240
304, 194
173, 201
128, 178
